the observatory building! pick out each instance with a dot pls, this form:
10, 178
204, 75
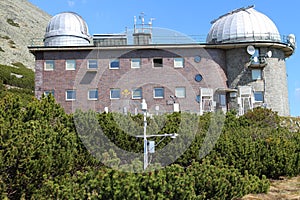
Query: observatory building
240, 66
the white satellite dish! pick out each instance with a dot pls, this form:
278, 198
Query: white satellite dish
255, 59
250, 50
269, 54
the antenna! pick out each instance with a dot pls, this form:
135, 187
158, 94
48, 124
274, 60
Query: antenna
251, 50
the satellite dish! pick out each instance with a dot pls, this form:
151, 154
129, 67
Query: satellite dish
250, 50
269, 54
255, 59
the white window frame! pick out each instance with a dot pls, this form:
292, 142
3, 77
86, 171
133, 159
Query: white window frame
49, 63
178, 62
162, 62
139, 90
135, 63
93, 98
71, 63
178, 92
112, 61
114, 89
73, 99
260, 93
254, 74
158, 97
91, 65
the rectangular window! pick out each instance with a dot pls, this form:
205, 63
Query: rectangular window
158, 92
256, 74
180, 92
137, 93
114, 64
115, 93
92, 64
222, 100
259, 96
178, 62
70, 95
157, 62
49, 65
135, 63
93, 94
70, 64
255, 57
47, 92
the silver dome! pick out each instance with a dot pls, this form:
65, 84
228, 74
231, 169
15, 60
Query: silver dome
243, 25
67, 29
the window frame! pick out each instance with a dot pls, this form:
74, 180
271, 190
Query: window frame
133, 66
112, 61
97, 94
181, 60
158, 97
116, 89
66, 65
176, 92
46, 62
135, 96
92, 64
72, 99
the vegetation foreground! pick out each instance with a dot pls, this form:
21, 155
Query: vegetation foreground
42, 156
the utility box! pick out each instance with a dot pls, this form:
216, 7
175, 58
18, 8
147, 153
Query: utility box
151, 146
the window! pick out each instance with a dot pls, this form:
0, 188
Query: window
178, 62
137, 93
157, 62
256, 74
93, 94
259, 96
70, 95
255, 57
180, 92
158, 92
115, 93
92, 64
114, 64
222, 100
136, 63
47, 92
70, 64
49, 65
198, 77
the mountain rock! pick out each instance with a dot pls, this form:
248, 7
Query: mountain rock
21, 23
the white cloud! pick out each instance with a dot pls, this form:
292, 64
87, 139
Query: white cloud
71, 3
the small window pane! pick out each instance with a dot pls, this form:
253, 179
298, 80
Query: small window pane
114, 64
70, 64
49, 65
259, 96
137, 93
178, 62
222, 99
256, 74
135, 63
92, 64
255, 57
157, 62
70, 95
158, 92
47, 92
93, 94
115, 93
180, 92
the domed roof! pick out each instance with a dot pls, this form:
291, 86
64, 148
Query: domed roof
66, 28
243, 25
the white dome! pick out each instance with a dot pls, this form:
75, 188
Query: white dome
243, 25
66, 29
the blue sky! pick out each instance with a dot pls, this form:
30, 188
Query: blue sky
191, 17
